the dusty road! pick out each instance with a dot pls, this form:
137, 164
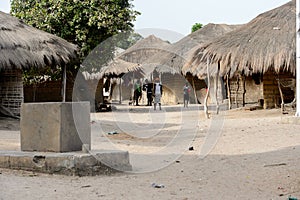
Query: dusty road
255, 156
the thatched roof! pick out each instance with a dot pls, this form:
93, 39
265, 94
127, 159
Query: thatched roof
143, 49
176, 54
267, 41
22, 46
116, 68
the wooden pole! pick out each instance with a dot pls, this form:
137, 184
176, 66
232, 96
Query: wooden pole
237, 90
64, 83
216, 89
228, 90
120, 91
281, 95
196, 99
244, 90
207, 91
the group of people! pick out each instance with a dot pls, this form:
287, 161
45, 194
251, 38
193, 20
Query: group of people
152, 89
155, 90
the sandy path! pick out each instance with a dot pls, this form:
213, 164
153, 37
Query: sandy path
255, 157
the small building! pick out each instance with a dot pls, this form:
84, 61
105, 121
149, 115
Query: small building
24, 47
256, 61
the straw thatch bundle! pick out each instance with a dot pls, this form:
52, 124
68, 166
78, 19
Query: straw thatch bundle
23, 46
144, 49
267, 41
176, 54
114, 69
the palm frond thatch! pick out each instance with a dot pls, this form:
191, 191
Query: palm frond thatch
267, 41
22, 46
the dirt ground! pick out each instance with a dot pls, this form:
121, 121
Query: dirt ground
239, 154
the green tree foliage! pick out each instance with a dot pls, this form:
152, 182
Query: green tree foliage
196, 27
86, 23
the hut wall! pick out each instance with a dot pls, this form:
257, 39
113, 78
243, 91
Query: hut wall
252, 92
173, 89
271, 92
11, 90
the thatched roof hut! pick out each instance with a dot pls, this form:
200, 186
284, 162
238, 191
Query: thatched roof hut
144, 49
266, 42
23, 46
115, 69
176, 54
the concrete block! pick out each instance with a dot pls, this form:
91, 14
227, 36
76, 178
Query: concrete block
55, 127
118, 160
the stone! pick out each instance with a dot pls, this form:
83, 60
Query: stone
55, 126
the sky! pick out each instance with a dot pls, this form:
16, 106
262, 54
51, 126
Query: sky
173, 19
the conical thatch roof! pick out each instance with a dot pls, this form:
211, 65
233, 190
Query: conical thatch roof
176, 54
22, 46
116, 68
144, 49
267, 41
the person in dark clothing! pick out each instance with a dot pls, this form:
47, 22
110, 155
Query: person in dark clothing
186, 94
148, 88
137, 92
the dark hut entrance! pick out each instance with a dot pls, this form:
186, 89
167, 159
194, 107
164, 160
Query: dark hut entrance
11, 92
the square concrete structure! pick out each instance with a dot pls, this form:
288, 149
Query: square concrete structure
55, 127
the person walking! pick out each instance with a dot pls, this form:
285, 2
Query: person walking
157, 93
137, 92
186, 94
149, 87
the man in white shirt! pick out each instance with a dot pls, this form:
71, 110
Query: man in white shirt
158, 93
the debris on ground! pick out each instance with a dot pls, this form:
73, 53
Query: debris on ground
191, 149
157, 185
112, 133
275, 165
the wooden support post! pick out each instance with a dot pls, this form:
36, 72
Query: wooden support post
120, 91
244, 89
216, 90
281, 95
207, 91
228, 91
196, 99
237, 90
64, 83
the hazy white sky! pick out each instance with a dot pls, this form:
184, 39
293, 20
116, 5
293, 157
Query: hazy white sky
178, 16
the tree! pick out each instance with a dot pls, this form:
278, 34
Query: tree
196, 27
86, 23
